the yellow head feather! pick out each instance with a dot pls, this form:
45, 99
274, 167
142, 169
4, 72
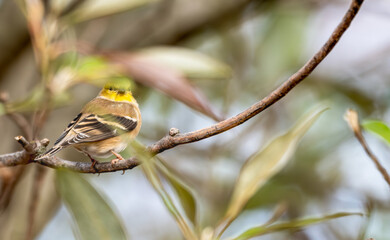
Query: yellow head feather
118, 89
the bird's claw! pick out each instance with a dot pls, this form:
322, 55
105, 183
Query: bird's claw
93, 165
114, 161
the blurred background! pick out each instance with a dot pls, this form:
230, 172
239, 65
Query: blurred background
224, 55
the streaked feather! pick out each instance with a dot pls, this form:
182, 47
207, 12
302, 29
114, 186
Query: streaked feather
87, 128
68, 128
105, 124
93, 128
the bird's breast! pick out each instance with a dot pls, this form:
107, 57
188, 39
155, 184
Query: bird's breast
102, 149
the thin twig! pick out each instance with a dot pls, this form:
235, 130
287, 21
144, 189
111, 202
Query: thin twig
31, 149
170, 141
46, 6
14, 159
85, 167
39, 120
352, 119
37, 189
40, 117
17, 118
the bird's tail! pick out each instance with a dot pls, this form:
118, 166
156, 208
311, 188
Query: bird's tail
50, 152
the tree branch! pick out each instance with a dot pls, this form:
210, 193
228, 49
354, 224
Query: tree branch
175, 138
172, 141
85, 167
352, 119
27, 156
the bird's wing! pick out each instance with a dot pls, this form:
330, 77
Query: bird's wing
87, 128
68, 128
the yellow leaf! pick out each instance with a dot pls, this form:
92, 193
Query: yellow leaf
266, 163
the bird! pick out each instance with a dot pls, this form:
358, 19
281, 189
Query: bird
105, 125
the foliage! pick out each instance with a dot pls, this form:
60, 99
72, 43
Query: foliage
258, 169
295, 224
379, 128
214, 69
93, 215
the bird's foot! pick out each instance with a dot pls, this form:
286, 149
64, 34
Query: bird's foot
114, 161
117, 159
94, 162
117, 155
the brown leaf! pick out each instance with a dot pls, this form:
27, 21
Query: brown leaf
167, 80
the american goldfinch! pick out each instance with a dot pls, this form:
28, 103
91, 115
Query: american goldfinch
105, 125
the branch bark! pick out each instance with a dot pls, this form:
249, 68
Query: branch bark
32, 148
170, 141
352, 119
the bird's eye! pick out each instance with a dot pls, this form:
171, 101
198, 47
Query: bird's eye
110, 88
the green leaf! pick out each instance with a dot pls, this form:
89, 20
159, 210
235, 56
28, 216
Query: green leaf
151, 174
266, 163
294, 224
94, 217
94, 69
149, 167
190, 63
379, 128
184, 192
